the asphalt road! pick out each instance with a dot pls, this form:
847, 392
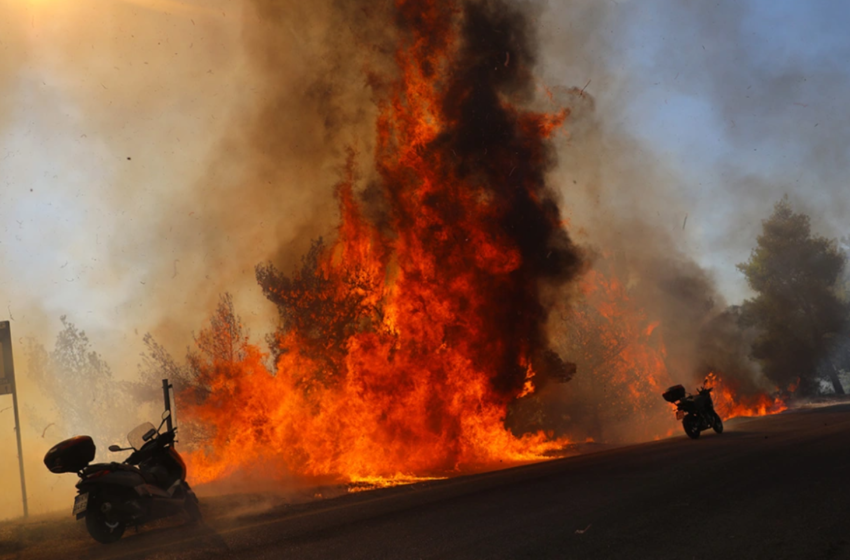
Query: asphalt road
774, 487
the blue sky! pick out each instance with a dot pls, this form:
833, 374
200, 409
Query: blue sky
748, 100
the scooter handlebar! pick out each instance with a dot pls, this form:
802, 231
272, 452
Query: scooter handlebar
149, 447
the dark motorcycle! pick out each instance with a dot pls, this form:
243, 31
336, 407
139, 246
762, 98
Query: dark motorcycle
150, 484
695, 411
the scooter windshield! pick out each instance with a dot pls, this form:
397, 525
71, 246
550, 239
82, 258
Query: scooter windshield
135, 438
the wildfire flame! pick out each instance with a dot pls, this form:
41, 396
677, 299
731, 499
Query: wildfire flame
430, 325
730, 403
360, 484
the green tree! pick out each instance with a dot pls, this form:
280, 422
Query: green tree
798, 311
842, 350
844, 280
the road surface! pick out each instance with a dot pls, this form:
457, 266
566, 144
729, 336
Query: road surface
773, 487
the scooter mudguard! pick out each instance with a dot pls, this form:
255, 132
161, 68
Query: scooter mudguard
150, 491
126, 479
159, 502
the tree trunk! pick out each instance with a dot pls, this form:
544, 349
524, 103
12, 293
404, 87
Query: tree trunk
833, 376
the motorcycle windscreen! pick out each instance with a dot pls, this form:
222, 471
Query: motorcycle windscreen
136, 437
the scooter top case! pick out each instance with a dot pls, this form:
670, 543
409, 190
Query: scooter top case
71, 455
674, 393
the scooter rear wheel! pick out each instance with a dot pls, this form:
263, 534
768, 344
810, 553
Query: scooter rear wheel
691, 427
101, 529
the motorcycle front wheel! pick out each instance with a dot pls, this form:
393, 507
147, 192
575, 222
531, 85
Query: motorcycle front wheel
101, 529
691, 425
718, 424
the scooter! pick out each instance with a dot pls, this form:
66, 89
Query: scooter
150, 484
695, 411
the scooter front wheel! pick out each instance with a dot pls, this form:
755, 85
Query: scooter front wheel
718, 424
100, 528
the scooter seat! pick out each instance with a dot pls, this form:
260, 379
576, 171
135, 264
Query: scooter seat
97, 467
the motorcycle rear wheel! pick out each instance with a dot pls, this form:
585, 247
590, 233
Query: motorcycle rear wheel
718, 424
691, 426
96, 523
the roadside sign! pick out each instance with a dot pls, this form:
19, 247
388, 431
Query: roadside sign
7, 371
7, 387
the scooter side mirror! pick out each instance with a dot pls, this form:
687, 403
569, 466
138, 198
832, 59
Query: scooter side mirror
114, 448
165, 416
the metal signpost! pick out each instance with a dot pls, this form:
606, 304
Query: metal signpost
7, 387
166, 397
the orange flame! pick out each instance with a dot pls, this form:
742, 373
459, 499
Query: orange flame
528, 386
731, 403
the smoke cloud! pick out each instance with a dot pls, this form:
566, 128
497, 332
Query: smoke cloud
152, 152
745, 101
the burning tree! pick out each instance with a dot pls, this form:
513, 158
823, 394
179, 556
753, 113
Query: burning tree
323, 305
621, 362
402, 344
797, 311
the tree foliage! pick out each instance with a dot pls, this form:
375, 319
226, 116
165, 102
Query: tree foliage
219, 347
157, 364
797, 310
320, 307
220, 344
79, 383
620, 363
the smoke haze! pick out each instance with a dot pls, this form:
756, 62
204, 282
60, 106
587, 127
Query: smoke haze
152, 152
